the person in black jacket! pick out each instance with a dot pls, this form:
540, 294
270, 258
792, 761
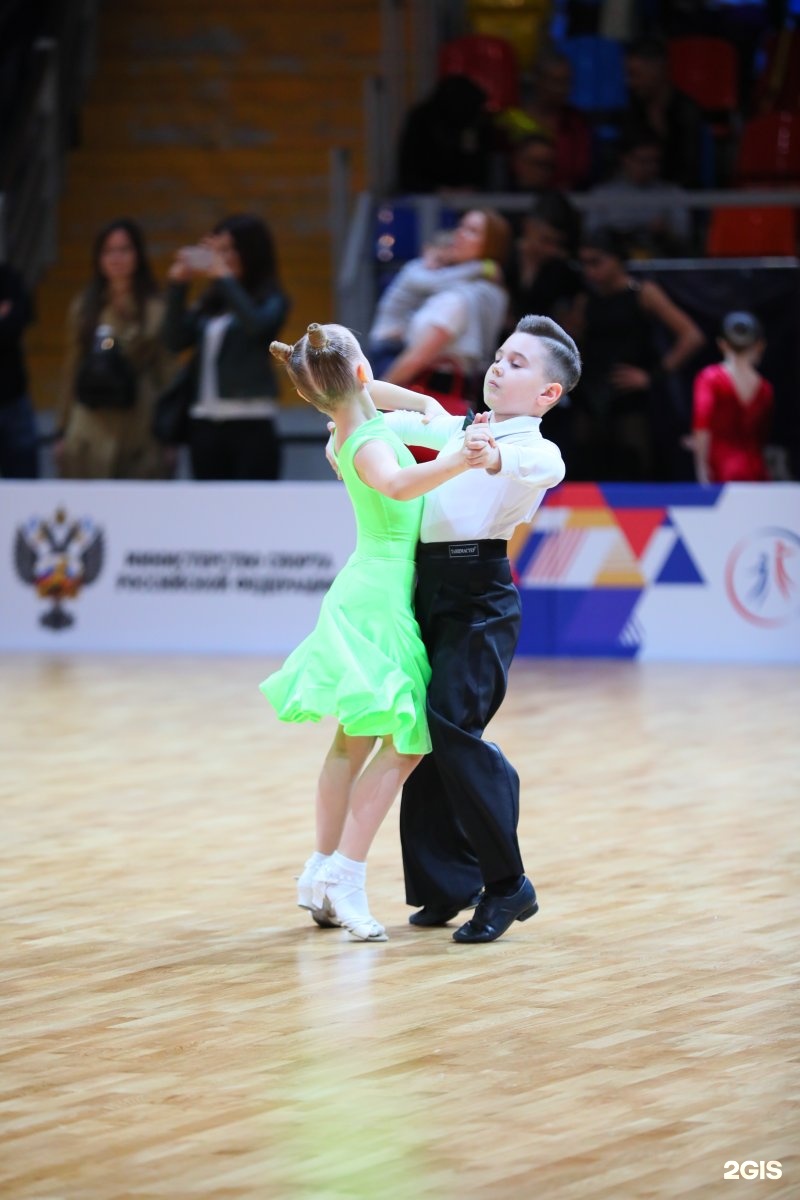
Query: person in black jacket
234, 395
447, 140
18, 439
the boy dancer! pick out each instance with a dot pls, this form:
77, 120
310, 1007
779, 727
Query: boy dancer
460, 807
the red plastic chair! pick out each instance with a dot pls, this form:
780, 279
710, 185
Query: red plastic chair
769, 151
706, 69
751, 232
487, 61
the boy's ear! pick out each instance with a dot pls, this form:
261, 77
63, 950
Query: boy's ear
551, 394
361, 374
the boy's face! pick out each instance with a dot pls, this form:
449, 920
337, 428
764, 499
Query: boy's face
517, 383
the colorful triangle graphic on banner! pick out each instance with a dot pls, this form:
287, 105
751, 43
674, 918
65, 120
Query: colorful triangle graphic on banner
619, 569
680, 567
638, 525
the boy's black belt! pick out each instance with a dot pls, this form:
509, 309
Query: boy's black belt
486, 548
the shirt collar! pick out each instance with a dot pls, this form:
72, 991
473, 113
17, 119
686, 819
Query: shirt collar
522, 424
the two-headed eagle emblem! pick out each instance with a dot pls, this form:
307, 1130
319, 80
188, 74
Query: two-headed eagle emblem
58, 557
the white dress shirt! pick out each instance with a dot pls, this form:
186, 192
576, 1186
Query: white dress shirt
476, 505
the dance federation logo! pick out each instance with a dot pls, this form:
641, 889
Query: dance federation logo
762, 577
58, 557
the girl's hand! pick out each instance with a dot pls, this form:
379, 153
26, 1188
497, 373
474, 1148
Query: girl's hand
480, 449
433, 409
478, 435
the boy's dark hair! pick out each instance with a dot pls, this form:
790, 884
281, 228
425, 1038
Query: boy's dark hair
564, 358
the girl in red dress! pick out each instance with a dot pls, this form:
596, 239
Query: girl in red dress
733, 407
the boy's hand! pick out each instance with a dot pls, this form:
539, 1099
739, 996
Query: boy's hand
480, 448
486, 456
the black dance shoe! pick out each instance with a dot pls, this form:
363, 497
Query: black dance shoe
494, 914
431, 915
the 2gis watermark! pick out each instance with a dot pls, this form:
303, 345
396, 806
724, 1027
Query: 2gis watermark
748, 1168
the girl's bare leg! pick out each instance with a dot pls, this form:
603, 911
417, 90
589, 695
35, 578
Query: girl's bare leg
343, 762
339, 884
371, 798
340, 770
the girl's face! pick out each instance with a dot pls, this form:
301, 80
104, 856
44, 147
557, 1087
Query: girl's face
118, 257
469, 237
226, 246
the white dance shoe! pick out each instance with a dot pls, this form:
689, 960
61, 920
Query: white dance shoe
305, 895
346, 901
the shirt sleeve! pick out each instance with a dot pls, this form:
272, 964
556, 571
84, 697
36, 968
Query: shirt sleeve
410, 429
703, 401
538, 463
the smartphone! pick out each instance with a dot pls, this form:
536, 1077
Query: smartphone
199, 258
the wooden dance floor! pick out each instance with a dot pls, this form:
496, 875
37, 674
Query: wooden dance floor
175, 1028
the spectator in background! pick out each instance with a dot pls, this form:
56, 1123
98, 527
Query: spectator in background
546, 112
437, 269
543, 277
233, 394
532, 165
455, 330
658, 110
448, 140
649, 231
18, 437
621, 407
733, 407
115, 365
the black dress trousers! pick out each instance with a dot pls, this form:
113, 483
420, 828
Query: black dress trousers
460, 807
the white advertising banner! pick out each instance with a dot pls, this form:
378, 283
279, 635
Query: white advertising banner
672, 571
612, 570
173, 567
747, 549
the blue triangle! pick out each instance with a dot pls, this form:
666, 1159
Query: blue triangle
680, 567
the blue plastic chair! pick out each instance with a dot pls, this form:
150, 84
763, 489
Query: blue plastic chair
598, 73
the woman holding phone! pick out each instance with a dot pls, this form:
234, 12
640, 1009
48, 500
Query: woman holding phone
232, 388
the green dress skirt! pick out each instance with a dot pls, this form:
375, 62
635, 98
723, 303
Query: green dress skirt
364, 662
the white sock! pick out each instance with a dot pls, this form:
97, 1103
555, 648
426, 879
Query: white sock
351, 869
311, 866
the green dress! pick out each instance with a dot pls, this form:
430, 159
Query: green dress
365, 663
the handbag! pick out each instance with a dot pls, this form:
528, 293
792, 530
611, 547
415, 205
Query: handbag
106, 379
170, 424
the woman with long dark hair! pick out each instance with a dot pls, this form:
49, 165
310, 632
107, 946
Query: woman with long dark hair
116, 365
233, 395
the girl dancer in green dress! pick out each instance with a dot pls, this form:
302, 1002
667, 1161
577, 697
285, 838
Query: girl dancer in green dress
364, 662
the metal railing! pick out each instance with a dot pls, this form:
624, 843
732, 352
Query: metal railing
357, 266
